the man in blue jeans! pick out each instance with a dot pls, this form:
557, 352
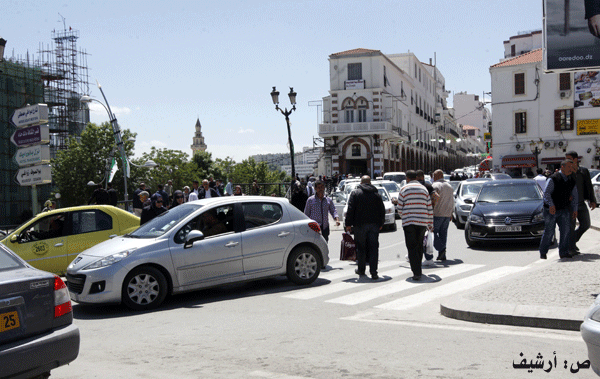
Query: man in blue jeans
442, 213
560, 205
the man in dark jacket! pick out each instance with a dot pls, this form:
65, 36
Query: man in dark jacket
112, 195
585, 191
366, 214
206, 191
154, 209
165, 196
100, 196
138, 205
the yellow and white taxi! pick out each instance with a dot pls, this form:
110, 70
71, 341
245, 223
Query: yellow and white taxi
51, 240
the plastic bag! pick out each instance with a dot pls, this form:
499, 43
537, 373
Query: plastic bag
428, 243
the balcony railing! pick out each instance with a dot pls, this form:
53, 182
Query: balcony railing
359, 128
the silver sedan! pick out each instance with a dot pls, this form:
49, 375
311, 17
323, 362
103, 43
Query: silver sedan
204, 243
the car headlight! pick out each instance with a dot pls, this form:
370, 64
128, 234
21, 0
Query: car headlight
107, 261
538, 217
465, 207
474, 219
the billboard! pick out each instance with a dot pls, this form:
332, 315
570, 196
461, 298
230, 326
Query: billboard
571, 35
587, 89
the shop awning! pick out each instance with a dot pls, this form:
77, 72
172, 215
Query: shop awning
552, 160
485, 165
516, 161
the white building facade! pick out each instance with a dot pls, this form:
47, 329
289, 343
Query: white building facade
470, 110
522, 43
535, 122
385, 113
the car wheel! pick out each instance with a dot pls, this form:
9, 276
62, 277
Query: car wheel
303, 266
470, 241
393, 227
144, 288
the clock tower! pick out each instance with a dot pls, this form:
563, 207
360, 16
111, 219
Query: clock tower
198, 144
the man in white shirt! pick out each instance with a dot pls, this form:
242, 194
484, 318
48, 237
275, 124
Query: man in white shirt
541, 179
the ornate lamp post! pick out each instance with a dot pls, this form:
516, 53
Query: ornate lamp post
535, 150
286, 113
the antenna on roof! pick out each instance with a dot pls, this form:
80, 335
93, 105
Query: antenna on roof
63, 20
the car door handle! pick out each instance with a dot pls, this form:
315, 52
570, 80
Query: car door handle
59, 244
231, 244
283, 234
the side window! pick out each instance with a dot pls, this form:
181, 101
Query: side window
212, 222
91, 221
45, 228
259, 214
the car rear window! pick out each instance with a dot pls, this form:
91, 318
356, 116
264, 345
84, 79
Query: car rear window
8, 261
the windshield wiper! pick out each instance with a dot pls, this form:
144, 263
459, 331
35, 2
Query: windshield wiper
508, 201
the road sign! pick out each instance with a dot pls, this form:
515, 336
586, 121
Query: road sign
31, 115
35, 175
33, 155
32, 135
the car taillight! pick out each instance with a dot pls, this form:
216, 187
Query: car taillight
314, 226
62, 300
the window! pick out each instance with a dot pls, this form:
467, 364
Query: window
356, 150
564, 81
362, 114
354, 71
259, 214
513, 50
521, 122
563, 119
212, 222
91, 221
349, 115
520, 83
45, 228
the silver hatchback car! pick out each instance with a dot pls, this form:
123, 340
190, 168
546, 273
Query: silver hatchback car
204, 243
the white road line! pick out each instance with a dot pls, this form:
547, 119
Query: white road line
348, 271
395, 287
450, 288
323, 290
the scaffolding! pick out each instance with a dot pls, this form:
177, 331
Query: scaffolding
65, 80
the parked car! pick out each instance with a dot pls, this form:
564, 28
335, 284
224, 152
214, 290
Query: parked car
200, 244
454, 184
397, 177
339, 201
393, 190
506, 210
496, 176
390, 208
51, 240
36, 320
596, 185
590, 332
467, 189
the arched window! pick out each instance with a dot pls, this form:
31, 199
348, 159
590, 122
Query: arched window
356, 150
348, 106
362, 105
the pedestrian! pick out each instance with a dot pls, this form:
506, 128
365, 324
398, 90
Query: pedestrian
112, 195
195, 187
99, 196
206, 191
366, 215
433, 195
238, 191
417, 217
168, 188
585, 191
165, 196
319, 207
560, 205
49, 205
186, 194
229, 188
178, 199
137, 203
220, 188
310, 191
255, 190
298, 197
155, 208
541, 179
442, 213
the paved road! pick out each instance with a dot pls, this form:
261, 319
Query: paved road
339, 327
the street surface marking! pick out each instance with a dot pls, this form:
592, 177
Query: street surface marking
485, 328
324, 290
348, 271
273, 375
395, 287
450, 288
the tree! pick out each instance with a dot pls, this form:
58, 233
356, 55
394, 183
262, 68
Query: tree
206, 166
172, 165
226, 166
85, 160
249, 170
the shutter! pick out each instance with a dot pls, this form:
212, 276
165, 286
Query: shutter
556, 120
572, 120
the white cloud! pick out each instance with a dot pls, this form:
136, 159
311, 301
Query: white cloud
244, 131
98, 110
142, 147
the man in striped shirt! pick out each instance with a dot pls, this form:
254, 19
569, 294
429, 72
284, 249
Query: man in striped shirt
417, 217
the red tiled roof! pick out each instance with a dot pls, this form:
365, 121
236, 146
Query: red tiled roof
355, 52
530, 57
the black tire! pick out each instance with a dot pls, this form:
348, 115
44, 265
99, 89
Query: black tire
303, 266
472, 243
394, 227
144, 288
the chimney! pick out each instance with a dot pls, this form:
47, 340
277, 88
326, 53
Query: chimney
2, 44
430, 62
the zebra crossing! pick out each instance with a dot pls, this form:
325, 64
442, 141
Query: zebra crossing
346, 289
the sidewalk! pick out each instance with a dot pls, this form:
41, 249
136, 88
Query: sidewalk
553, 294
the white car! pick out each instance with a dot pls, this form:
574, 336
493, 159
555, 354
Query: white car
390, 218
200, 244
392, 188
596, 185
590, 332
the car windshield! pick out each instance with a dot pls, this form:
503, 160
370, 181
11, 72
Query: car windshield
8, 261
470, 189
390, 187
164, 222
509, 193
383, 194
394, 177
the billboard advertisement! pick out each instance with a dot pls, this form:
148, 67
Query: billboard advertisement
587, 89
571, 35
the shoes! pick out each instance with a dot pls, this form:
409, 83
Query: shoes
569, 256
359, 273
543, 256
441, 256
374, 276
428, 262
576, 249
416, 277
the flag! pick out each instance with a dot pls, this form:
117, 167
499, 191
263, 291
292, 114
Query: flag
113, 170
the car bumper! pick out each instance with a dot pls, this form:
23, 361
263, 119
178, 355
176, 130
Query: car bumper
463, 216
84, 285
590, 332
488, 233
40, 354
390, 218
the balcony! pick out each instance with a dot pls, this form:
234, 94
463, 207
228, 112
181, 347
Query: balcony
382, 128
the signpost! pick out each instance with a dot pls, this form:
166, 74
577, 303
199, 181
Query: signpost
32, 139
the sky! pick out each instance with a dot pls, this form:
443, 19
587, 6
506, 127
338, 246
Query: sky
163, 65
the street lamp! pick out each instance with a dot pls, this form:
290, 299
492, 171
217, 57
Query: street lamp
533, 146
286, 113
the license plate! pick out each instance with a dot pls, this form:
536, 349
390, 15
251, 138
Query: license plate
8, 321
511, 228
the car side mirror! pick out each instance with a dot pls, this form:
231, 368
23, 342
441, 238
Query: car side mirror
193, 236
14, 238
468, 200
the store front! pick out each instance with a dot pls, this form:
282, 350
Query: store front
518, 166
551, 163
